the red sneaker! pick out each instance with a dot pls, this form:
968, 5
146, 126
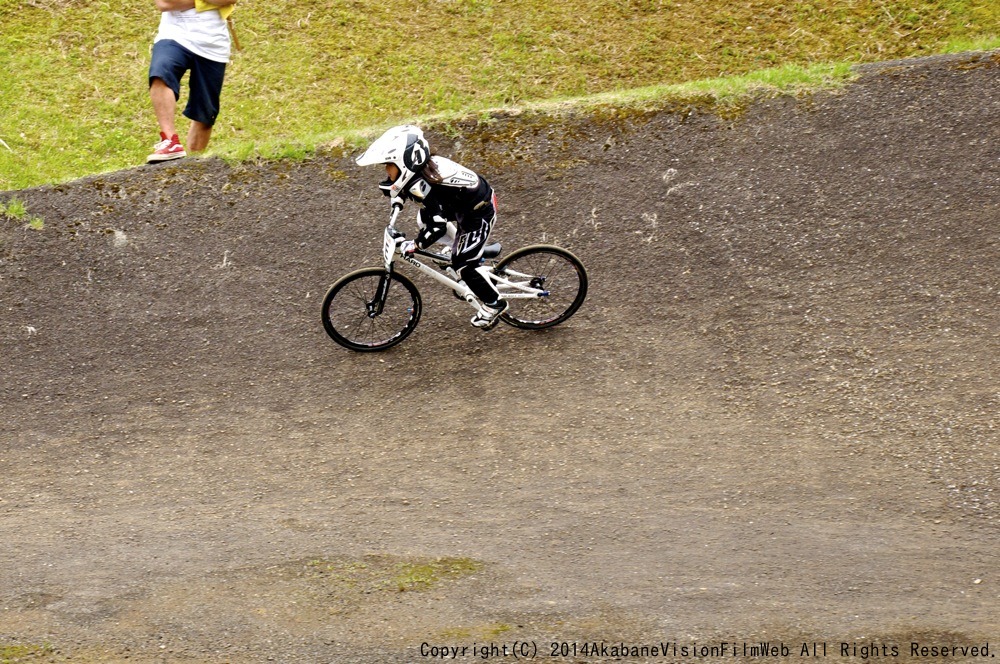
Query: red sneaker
166, 149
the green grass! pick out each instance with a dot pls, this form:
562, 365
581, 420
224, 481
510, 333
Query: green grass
721, 92
73, 98
423, 575
15, 210
376, 574
14, 654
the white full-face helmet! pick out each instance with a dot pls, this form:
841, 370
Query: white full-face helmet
404, 146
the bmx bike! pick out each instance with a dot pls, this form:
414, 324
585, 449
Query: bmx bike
375, 308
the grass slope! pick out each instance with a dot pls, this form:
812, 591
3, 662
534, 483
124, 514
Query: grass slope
73, 97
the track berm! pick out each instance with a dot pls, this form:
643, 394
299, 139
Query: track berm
775, 417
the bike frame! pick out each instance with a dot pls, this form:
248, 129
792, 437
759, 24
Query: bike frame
390, 249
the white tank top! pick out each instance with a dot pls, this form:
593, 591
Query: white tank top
202, 33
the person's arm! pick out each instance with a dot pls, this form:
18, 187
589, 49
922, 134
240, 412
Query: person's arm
433, 227
174, 5
182, 5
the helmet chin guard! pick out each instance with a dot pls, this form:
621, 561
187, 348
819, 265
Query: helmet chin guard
404, 146
385, 186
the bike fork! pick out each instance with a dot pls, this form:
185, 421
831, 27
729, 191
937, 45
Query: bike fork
377, 304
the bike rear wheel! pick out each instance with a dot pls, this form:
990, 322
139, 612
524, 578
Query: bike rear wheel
549, 268
348, 315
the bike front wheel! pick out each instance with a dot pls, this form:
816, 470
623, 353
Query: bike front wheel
352, 317
553, 270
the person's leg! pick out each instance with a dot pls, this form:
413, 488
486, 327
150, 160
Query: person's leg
205, 83
472, 237
164, 106
166, 67
479, 285
198, 136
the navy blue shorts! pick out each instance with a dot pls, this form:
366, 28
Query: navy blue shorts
169, 63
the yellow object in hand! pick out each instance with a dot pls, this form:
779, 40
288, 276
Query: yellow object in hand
202, 6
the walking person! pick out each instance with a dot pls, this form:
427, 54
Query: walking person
193, 38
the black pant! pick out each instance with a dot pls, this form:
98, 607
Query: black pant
473, 235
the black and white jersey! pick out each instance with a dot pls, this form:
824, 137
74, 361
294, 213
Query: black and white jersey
461, 193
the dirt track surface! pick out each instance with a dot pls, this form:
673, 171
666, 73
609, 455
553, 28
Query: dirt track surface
775, 417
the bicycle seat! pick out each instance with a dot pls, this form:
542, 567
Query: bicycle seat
492, 250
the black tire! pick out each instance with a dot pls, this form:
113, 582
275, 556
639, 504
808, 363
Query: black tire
345, 311
554, 269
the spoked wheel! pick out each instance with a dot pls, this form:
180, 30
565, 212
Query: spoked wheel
552, 269
350, 316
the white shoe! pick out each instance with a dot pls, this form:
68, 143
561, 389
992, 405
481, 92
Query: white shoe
489, 315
